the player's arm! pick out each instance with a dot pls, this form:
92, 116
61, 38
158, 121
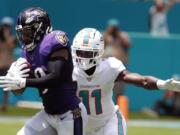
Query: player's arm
55, 65
147, 82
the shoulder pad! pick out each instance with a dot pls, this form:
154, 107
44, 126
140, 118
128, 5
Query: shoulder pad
54, 41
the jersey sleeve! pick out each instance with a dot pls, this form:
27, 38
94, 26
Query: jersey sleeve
116, 66
54, 41
23, 54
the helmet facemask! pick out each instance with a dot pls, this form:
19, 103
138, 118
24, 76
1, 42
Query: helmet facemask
28, 35
86, 59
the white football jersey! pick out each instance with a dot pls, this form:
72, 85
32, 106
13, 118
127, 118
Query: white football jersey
96, 90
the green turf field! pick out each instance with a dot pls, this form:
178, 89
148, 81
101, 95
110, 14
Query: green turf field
12, 128
152, 131
9, 128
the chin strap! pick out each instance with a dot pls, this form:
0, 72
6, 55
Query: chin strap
30, 46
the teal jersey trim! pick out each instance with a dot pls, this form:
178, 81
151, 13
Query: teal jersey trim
120, 123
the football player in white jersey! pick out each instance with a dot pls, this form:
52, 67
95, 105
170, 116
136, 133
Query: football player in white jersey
96, 78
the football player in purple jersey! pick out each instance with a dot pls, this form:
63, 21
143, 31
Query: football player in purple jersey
47, 55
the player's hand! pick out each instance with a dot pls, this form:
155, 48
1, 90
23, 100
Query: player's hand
12, 83
19, 68
169, 84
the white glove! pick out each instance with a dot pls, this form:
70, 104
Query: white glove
169, 84
19, 68
12, 83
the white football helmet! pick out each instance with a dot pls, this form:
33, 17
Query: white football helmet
87, 48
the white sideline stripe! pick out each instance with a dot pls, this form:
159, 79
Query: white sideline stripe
131, 123
154, 123
30, 104
12, 119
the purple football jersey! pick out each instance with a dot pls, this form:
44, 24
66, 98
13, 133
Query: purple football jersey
64, 95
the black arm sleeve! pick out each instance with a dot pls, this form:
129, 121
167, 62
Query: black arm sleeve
55, 66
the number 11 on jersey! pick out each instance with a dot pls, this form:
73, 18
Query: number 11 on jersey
86, 95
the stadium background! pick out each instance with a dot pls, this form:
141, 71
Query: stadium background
149, 55
158, 56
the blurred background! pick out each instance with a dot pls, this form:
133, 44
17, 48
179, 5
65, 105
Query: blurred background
144, 34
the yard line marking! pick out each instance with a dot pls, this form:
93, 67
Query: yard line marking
131, 123
154, 123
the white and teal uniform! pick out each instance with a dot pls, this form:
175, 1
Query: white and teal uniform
96, 93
